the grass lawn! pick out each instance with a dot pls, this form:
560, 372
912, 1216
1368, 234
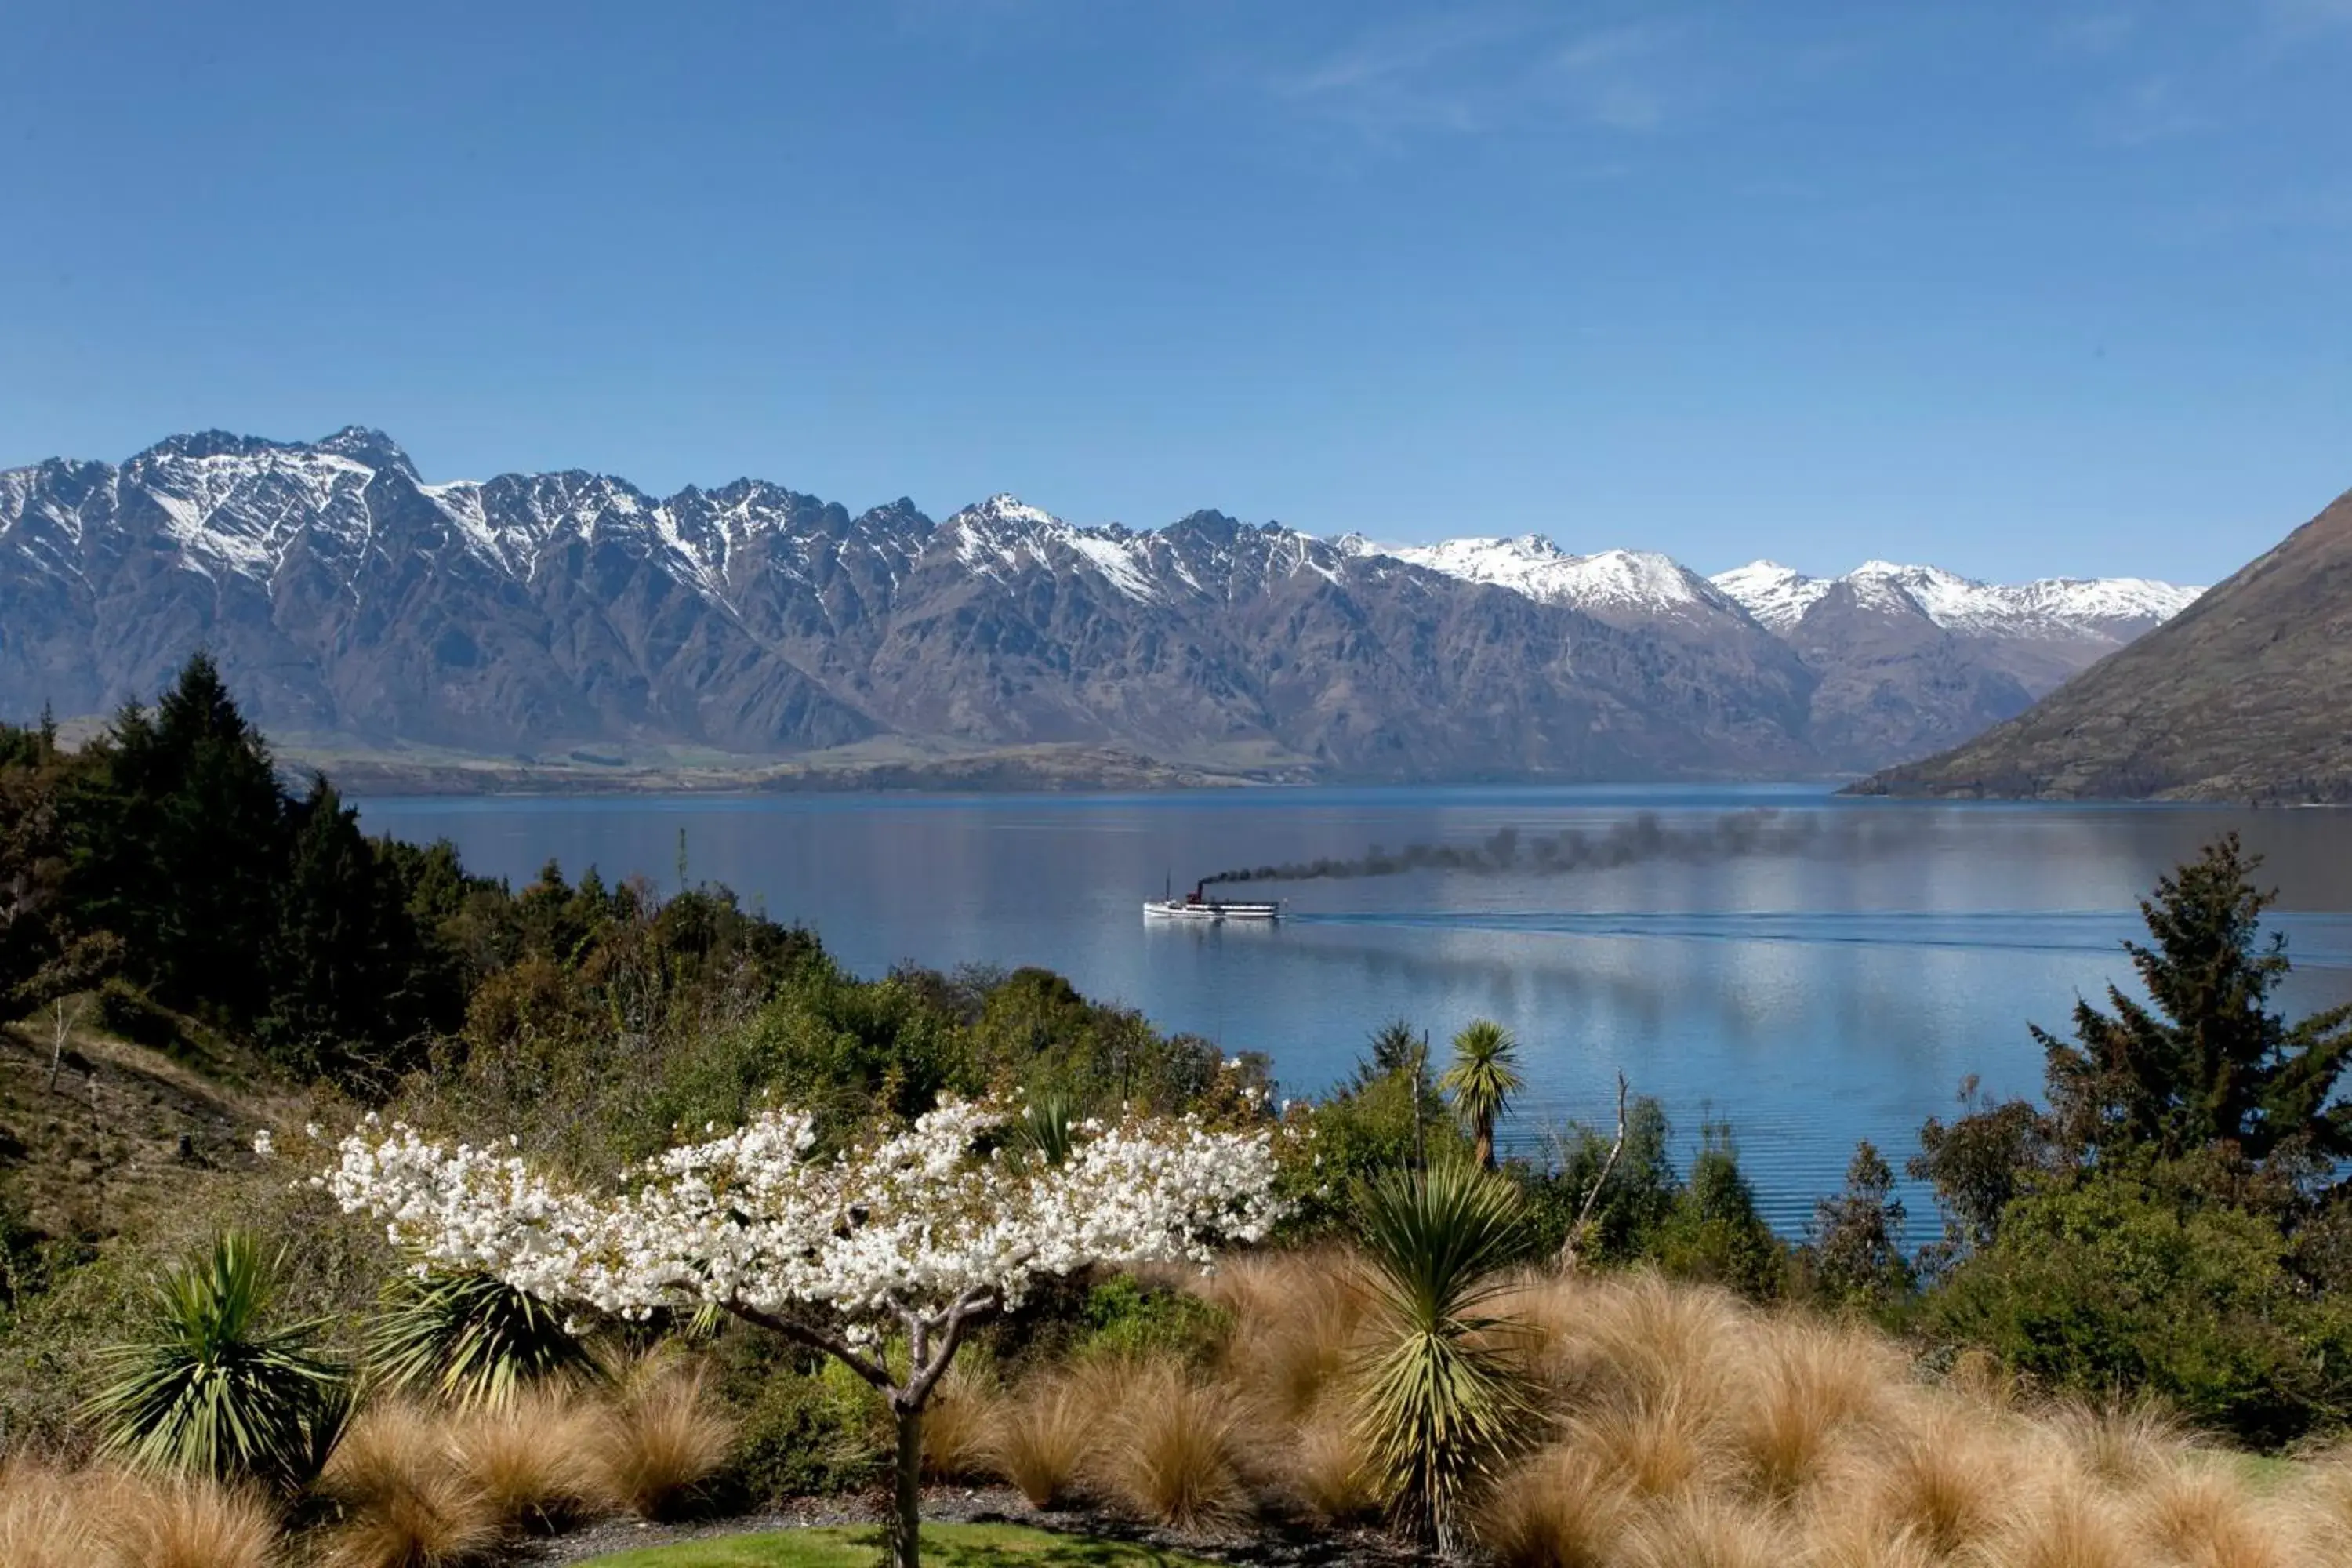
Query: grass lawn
947, 1546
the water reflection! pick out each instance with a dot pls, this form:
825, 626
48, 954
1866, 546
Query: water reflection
1815, 996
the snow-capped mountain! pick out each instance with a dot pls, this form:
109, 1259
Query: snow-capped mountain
2118, 608
346, 595
1636, 583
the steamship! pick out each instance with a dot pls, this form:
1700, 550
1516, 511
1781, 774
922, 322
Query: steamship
1197, 905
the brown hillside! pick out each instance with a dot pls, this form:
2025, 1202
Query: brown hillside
2241, 697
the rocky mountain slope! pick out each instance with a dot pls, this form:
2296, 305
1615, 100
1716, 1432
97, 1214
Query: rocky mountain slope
2241, 697
349, 598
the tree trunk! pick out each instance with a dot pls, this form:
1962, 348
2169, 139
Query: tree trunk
902, 1534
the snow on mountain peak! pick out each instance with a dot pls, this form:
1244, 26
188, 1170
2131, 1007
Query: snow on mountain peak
1639, 580
2107, 607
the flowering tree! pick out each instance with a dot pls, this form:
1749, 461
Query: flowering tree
882, 1255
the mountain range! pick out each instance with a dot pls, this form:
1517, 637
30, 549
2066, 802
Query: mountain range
2241, 697
348, 598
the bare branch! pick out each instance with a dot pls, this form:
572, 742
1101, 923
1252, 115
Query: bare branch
1568, 1248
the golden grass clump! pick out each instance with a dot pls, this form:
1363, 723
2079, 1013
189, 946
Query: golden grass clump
402, 1499
2066, 1526
1297, 1318
2319, 1508
1809, 1384
1171, 1453
1046, 1435
1655, 1449
43, 1521
171, 1522
535, 1460
2117, 1445
1946, 1481
2200, 1515
1707, 1530
661, 1440
1321, 1465
959, 1427
1557, 1509
1656, 1342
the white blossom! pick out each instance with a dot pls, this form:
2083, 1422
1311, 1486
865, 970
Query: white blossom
912, 1228
263, 1144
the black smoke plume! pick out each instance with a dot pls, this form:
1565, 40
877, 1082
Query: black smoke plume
1729, 837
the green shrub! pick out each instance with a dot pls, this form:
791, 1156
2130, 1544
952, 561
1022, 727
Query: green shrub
1713, 1233
2119, 1282
810, 1432
1123, 1318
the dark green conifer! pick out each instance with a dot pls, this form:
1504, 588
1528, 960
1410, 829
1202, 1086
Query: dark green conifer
2210, 1062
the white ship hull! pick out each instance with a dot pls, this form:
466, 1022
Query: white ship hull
1210, 910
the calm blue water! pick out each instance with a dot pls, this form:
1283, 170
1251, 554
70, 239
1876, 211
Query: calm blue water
1811, 996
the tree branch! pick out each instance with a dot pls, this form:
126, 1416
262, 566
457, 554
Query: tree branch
1568, 1258
871, 1369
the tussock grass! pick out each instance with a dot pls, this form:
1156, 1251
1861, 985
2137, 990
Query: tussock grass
169, 1522
2117, 1445
1810, 1385
1656, 1450
1045, 1436
2201, 1516
959, 1427
1557, 1509
661, 1440
1707, 1530
43, 1521
1171, 1451
2067, 1526
1321, 1466
402, 1498
536, 1460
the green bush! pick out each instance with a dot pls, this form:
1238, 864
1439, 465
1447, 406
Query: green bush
1123, 1318
808, 1433
1713, 1233
2121, 1283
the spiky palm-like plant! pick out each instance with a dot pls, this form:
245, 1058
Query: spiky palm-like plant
470, 1339
1482, 1077
213, 1390
1441, 1398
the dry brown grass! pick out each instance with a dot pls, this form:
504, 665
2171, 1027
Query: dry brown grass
662, 1438
959, 1427
1656, 1342
156, 1522
402, 1500
1555, 1509
43, 1521
2201, 1516
1046, 1435
1946, 1481
1707, 1530
1321, 1466
1811, 1384
536, 1461
1656, 1450
1296, 1318
2066, 1526
2116, 1445
1172, 1453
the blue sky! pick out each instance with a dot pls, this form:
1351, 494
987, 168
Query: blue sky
2018, 289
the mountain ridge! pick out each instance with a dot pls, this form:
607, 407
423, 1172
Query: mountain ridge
355, 598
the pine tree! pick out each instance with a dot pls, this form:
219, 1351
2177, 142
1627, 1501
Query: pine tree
2210, 1062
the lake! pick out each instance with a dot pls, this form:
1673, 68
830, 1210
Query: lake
1831, 975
